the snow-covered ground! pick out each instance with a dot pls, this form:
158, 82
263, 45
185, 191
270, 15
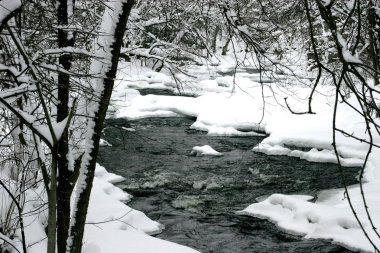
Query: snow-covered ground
111, 225
226, 105
120, 227
239, 105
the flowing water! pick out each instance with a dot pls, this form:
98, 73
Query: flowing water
196, 197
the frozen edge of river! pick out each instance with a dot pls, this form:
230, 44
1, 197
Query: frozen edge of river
119, 226
219, 110
111, 225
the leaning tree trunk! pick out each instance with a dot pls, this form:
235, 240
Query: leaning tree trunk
120, 11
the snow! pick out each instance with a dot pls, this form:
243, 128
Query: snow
119, 226
350, 4
313, 155
152, 105
103, 174
104, 143
326, 2
221, 112
224, 131
43, 130
70, 50
14, 93
204, 150
7, 7
314, 221
121, 241
348, 57
222, 105
91, 104
235, 106
111, 225
116, 215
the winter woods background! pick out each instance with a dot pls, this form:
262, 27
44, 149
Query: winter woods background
57, 86
58, 66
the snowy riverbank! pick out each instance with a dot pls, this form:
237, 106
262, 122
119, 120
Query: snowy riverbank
224, 110
111, 225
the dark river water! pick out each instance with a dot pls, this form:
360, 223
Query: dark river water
196, 197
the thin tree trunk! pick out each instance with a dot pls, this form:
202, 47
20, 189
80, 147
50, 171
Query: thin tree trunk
64, 188
374, 34
52, 205
214, 39
225, 47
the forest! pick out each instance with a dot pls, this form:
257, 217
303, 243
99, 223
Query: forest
297, 78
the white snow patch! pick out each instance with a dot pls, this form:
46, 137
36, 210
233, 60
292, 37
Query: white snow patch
204, 150
104, 143
225, 111
7, 7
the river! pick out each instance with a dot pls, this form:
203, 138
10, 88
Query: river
196, 197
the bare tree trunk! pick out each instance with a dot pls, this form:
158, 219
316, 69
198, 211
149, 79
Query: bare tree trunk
52, 205
374, 34
214, 39
225, 47
64, 187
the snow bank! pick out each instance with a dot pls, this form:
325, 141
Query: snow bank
126, 241
111, 225
240, 105
234, 108
314, 221
329, 218
120, 227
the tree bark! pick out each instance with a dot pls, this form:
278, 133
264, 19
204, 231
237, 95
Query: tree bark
225, 47
64, 187
374, 35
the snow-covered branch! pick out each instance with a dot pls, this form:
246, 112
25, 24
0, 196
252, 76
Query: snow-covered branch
7, 9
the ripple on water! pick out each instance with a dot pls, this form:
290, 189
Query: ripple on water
208, 184
196, 197
189, 203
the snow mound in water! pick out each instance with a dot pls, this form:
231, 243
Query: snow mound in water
204, 150
104, 143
